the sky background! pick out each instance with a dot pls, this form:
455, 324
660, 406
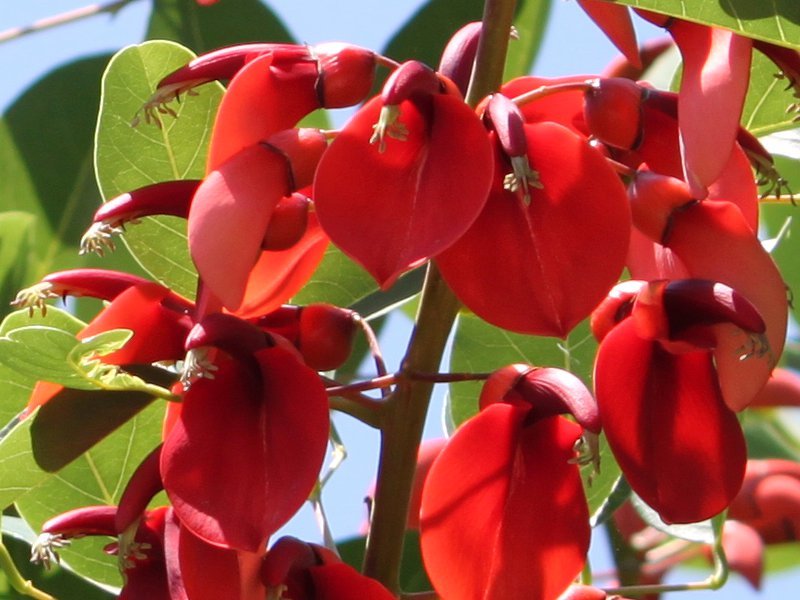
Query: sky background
572, 45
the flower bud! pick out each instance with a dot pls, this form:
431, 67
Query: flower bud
613, 112
346, 74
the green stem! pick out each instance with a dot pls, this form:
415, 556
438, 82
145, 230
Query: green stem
407, 406
15, 578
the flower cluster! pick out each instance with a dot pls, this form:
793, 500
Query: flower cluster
531, 204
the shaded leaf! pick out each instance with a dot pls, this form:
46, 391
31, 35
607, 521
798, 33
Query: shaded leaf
16, 246
49, 175
129, 157
98, 477
777, 21
204, 28
767, 435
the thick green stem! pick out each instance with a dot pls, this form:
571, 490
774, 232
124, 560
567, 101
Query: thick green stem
407, 407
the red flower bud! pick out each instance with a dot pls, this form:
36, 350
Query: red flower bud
613, 112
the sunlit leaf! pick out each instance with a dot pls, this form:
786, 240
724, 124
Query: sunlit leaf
337, 280
130, 157
768, 97
777, 21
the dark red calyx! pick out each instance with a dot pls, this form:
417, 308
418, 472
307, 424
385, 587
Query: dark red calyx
458, 58
508, 122
302, 148
346, 73
231, 334
284, 564
288, 222
613, 111
616, 306
410, 81
164, 198
691, 303
95, 283
142, 487
546, 391
326, 335
87, 520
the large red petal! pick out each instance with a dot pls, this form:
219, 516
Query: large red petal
228, 217
542, 268
247, 449
392, 210
681, 449
503, 511
261, 99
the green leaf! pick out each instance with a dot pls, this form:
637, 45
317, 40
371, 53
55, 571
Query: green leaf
46, 141
204, 28
480, 347
127, 157
767, 435
17, 386
777, 21
337, 280
599, 486
768, 97
787, 251
16, 247
530, 21
98, 477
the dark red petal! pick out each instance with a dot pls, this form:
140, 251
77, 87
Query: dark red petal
536, 277
247, 449
261, 100
340, 581
393, 210
503, 512
679, 446
229, 216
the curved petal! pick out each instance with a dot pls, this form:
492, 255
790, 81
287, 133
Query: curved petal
158, 332
261, 99
228, 217
536, 278
392, 210
247, 449
716, 72
681, 449
503, 510
278, 275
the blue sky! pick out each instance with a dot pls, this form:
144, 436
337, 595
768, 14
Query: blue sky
572, 45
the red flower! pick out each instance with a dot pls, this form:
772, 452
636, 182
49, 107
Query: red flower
661, 403
406, 176
503, 511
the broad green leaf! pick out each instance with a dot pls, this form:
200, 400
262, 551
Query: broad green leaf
98, 477
530, 21
768, 97
204, 28
46, 140
425, 34
702, 532
40, 353
480, 347
16, 386
16, 246
337, 280
787, 251
128, 157
776, 21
